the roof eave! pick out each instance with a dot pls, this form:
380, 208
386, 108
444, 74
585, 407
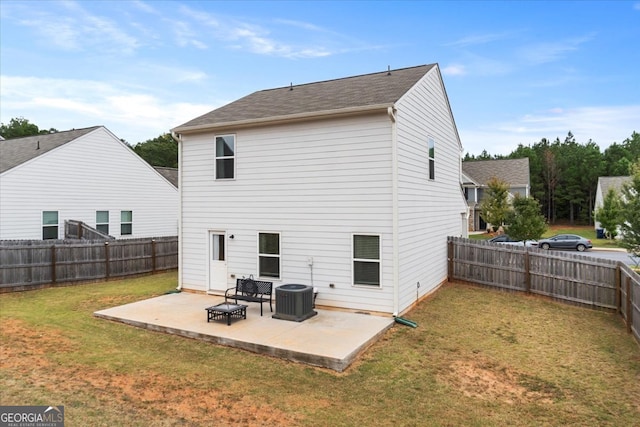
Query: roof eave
289, 118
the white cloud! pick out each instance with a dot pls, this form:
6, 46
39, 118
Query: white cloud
75, 29
454, 70
185, 35
254, 38
542, 53
478, 39
602, 124
66, 104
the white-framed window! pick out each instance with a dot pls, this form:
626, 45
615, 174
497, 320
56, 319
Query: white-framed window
49, 225
225, 157
366, 259
102, 221
269, 255
432, 158
126, 223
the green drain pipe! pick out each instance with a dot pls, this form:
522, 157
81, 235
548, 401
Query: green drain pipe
406, 322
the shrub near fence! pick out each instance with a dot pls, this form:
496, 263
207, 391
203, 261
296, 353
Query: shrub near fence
577, 279
40, 263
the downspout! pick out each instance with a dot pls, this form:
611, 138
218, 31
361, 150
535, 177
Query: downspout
395, 227
178, 139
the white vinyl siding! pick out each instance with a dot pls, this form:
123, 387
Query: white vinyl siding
429, 210
95, 171
320, 181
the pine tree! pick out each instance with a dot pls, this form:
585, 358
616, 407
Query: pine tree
494, 205
524, 221
608, 215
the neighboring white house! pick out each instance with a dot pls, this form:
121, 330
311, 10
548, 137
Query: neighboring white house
87, 175
349, 185
476, 174
605, 183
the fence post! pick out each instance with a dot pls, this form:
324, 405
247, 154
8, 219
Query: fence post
153, 255
449, 261
106, 259
629, 307
53, 264
619, 288
527, 271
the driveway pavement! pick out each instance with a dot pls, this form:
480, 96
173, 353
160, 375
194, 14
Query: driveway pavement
331, 339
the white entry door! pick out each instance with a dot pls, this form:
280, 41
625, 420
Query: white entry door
217, 261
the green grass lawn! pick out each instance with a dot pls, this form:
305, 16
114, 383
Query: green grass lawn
479, 357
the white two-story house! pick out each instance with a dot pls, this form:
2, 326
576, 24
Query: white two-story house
349, 185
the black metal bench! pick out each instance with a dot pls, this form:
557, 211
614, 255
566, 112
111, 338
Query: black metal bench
252, 291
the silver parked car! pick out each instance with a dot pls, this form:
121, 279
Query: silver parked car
565, 241
504, 239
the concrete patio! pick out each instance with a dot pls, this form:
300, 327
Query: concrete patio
331, 339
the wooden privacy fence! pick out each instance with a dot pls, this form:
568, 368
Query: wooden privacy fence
41, 263
577, 279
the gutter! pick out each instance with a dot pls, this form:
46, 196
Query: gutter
283, 119
391, 111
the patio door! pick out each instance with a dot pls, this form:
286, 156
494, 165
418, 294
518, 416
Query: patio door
217, 261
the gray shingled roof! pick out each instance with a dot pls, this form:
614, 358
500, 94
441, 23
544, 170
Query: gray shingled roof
171, 174
15, 151
377, 89
615, 182
514, 172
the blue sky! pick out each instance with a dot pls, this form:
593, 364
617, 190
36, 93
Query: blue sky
515, 72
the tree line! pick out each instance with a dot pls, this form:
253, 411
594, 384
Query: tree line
564, 174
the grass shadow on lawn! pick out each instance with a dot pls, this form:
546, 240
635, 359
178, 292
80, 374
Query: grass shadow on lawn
478, 357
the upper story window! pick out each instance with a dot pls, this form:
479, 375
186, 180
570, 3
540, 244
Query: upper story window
102, 221
49, 225
225, 156
126, 223
432, 158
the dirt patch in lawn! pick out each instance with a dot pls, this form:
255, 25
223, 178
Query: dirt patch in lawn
487, 381
152, 394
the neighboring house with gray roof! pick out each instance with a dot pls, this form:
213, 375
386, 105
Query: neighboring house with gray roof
606, 183
477, 173
86, 175
170, 174
349, 185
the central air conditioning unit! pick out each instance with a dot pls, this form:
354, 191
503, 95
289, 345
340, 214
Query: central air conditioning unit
294, 302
